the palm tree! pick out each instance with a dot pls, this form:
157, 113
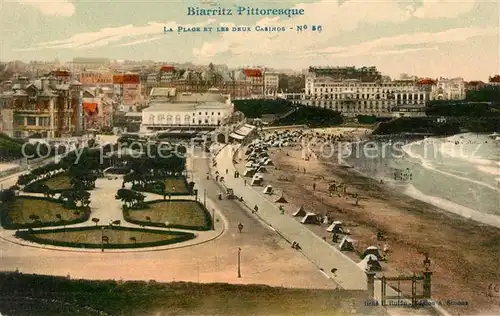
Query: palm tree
95, 220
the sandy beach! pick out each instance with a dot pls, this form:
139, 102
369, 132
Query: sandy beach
464, 254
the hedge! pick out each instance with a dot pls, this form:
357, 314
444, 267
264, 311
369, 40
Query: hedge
34, 186
4, 210
26, 235
208, 217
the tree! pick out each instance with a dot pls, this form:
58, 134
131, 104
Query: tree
133, 239
95, 220
7, 195
34, 217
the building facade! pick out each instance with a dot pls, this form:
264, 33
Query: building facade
47, 107
170, 108
239, 83
271, 83
448, 89
354, 97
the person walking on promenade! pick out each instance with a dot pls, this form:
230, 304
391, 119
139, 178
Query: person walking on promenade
227, 171
255, 209
245, 182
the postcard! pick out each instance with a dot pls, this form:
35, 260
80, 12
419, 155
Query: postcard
215, 157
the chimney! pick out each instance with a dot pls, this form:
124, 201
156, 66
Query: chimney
45, 84
52, 82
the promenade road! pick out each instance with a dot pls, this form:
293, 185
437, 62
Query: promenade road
348, 275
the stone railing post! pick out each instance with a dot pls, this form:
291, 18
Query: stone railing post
370, 282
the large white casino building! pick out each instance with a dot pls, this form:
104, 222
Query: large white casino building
169, 108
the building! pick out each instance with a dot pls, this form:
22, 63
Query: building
98, 109
358, 96
495, 80
48, 107
171, 108
84, 63
99, 76
127, 88
448, 89
271, 83
238, 84
474, 85
363, 74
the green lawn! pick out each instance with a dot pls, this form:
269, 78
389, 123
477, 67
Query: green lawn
183, 214
20, 210
178, 184
116, 237
59, 182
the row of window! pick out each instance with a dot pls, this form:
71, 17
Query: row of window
406, 90
369, 96
32, 121
366, 103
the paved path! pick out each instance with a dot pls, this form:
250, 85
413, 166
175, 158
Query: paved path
348, 275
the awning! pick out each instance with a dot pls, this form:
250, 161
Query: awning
236, 136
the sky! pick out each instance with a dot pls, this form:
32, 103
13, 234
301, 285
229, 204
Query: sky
427, 38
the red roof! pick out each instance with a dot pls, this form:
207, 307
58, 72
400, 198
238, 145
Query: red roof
427, 81
252, 72
167, 68
495, 78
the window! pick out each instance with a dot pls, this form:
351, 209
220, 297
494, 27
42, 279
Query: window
218, 113
19, 120
212, 113
31, 121
199, 113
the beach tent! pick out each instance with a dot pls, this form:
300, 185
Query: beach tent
268, 190
310, 218
249, 164
268, 162
335, 227
300, 212
256, 181
281, 200
372, 250
261, 169
249, 172
346, 244
370, 263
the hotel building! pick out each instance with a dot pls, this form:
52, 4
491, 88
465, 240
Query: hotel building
362, 91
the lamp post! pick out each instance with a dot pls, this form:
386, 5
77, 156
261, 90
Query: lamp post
239, 261
205, 198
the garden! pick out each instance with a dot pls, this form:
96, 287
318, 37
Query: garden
30, 212
183, 214
64, 199
106, 237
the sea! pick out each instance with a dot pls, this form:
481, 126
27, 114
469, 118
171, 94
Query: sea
460, 173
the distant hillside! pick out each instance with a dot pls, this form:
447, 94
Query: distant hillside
257, 108
429, 125
311, 116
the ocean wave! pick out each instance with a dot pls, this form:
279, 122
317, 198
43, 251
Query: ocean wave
428, 165
488, 219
